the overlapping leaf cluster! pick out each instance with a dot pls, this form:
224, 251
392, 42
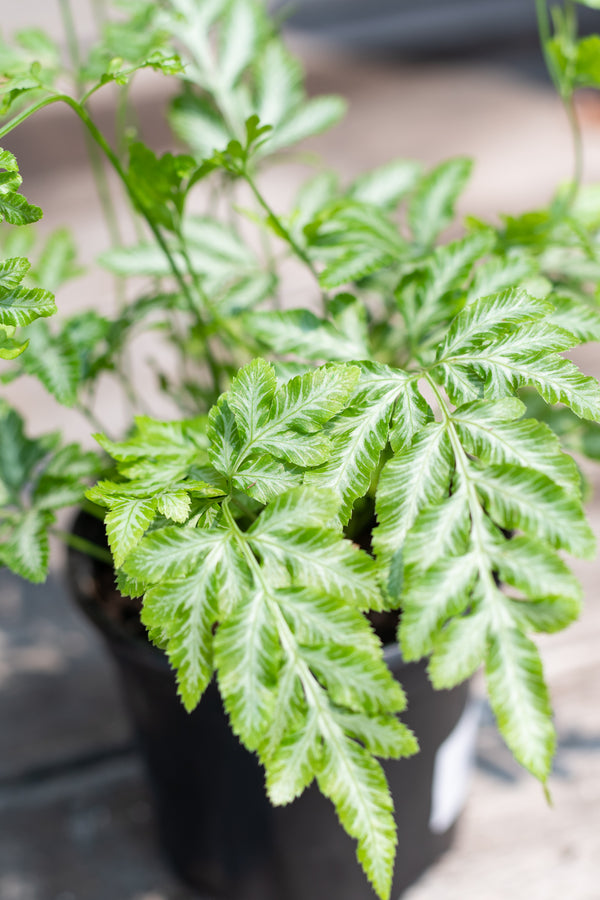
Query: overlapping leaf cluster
256, 582
395, 416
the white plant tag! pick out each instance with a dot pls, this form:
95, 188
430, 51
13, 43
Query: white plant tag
452, 770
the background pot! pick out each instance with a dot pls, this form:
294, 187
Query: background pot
217, 827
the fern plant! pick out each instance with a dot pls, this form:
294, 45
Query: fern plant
405, 407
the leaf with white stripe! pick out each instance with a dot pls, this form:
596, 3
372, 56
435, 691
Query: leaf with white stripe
185, 612
431, 209
248, 658
412, 479
488, 430
431, 598
355, 783
519, 698
520, 498
360, 433
126, 522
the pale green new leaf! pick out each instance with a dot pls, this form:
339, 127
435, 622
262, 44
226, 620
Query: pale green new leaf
174, 505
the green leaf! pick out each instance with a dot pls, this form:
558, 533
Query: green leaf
431, 208
185, 612
278, 83
520, 498
354, 266
312, 117
386, 185
238, 40
355, 783
531, 566
250, 398
359, 435
174, 505
576, 317
54, 361
499, 274
412, 479
57, 263
488, 431
489, 317
248, 657
411, 414
19, 305
433, 597
318, 557
26, 552
301, 332
196, 122
459, 649
444, 272
171, 552
126, 522
519, 699
15, 209
19, 455
264, 478
292, 766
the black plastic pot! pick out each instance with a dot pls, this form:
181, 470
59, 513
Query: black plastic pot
218, 829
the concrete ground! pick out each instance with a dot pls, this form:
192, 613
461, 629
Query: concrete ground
75, 819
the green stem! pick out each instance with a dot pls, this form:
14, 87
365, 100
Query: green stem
545, 33
84, 546
98, 173
283, 231
118, 168
30, 111
215, 369
575, 127
565, 91
70, 32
